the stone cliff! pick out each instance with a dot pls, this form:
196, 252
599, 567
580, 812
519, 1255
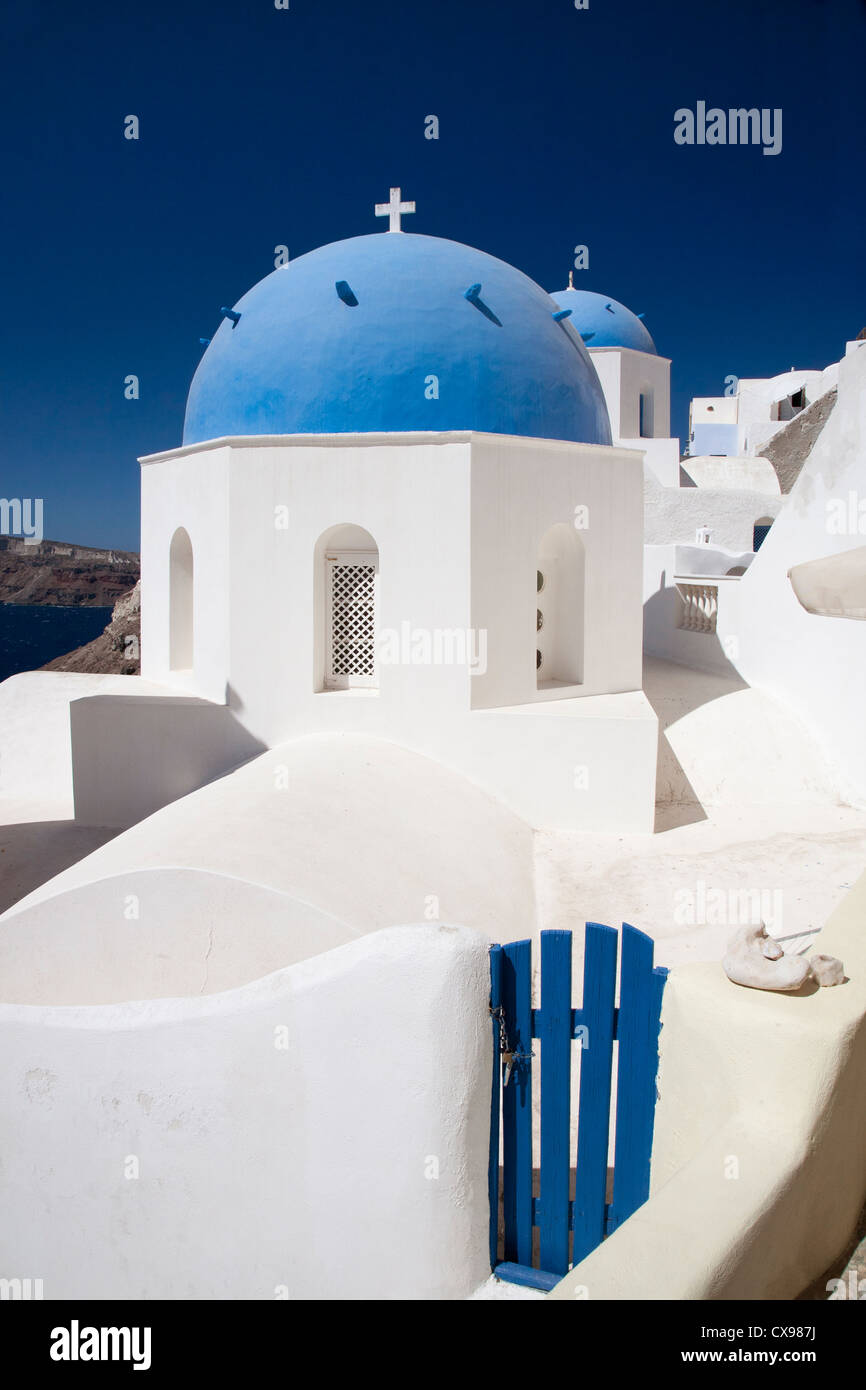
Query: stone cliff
116, 651
64, 575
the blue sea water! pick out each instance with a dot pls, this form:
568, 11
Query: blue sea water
31, 634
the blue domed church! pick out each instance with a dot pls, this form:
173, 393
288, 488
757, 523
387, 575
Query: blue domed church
400, 509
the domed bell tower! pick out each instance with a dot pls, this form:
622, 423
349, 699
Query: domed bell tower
397, 511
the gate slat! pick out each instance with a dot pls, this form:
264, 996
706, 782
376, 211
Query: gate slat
597, 1014
517, 1104
636, 1026
495, 1091
638, 1034
555, 1033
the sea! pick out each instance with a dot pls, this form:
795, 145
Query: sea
31, 634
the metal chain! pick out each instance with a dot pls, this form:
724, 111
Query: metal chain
499, 1015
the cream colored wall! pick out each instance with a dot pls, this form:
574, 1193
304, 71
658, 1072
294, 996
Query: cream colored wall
758, 1175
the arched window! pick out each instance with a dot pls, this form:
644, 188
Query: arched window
347, 608
560, 583
180, 568
759, 531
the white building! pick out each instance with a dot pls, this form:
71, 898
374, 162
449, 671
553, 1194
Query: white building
743, 422
396, 512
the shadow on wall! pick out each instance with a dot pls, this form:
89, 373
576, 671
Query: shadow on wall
698, 651
132, 756
670, 815
675, 689
34, 851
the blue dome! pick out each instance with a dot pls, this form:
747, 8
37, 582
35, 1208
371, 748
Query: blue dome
604, 322
348, 338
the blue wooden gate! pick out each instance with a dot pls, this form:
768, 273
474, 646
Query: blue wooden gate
570, 1220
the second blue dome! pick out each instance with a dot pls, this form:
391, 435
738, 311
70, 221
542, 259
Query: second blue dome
604, 322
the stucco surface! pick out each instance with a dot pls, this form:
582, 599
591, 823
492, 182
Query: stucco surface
758, 1176
745, 805
158, 933
35, 759
732, 474
320, 1133
673, 515
360, 829
443, 511
815, 665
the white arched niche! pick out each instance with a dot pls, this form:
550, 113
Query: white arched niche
346, 597
560, 614
181, 605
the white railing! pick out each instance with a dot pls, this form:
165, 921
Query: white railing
699, 606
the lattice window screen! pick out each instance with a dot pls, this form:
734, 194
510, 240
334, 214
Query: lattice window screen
352, 621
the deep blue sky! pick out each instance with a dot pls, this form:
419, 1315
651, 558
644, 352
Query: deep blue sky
261, 127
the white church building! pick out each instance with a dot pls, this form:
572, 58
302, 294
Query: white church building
438, 627
398, 511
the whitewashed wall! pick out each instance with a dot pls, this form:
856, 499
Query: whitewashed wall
349, 1164
624, 374
733, 474
713, 410
35, 752
360, 830
673, 515
455, 517
519, 490
458, 520
663, 637
814, 664
132, 756
751, 408
156, 933
195, 497
756, 398
662, 456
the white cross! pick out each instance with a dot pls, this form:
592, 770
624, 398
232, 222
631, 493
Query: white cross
393, 209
